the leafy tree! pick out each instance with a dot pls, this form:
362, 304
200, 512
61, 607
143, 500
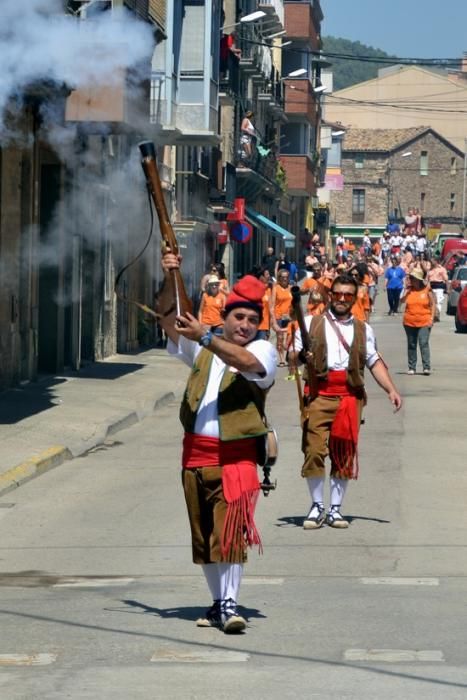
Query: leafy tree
348, 72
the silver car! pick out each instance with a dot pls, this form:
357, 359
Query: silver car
456, 285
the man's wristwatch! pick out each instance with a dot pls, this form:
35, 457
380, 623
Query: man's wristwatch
205, 339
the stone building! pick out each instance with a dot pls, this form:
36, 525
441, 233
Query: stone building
386, 171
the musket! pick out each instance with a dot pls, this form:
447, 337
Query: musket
172, 296
306, 342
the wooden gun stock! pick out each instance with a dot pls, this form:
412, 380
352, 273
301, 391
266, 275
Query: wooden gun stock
172, 296
306, 341
298, 312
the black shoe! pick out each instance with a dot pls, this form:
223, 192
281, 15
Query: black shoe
212, 617
315, 517
232, 622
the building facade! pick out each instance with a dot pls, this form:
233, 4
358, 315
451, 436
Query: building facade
74, 210
386, 171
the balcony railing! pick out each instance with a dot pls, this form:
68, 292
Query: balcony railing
255, 57
273, 93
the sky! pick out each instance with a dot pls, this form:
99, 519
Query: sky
406, 28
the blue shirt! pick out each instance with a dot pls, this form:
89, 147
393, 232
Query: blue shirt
394, 276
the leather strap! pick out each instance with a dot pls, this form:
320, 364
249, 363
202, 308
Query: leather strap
338, 332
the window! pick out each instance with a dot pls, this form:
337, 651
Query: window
424, 163
359, 161
453, 166
358, 206
422, 201
452, 202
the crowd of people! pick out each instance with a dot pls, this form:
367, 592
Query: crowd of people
398, 263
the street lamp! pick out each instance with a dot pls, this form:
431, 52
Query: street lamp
297, 73
320, 88
275, 35
252, 17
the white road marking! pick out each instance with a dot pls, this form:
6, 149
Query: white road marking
393, 655
394, 581
213, 656
27, 659
262, 581
89, 582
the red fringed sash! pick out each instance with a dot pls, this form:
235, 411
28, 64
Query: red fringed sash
240, 484
343, 439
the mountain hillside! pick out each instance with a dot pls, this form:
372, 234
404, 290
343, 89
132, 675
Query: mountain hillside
348, 72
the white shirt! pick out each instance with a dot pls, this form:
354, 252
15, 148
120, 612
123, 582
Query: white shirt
207, 418
338, 357
396, 241
421, 244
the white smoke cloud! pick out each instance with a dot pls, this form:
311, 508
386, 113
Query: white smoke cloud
39, 42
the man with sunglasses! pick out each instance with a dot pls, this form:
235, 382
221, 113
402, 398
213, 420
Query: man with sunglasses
336, 351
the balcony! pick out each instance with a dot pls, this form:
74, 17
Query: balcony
257, 174
273, 94
255, 59
274, 10
302, 22
300, 100
300, 171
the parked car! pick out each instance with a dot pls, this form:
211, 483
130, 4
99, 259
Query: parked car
461, 312
453, 244
437, 243
456, 285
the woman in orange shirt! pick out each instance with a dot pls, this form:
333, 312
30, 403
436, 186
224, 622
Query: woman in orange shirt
281, 304
361, 308
420, 306
212, 305
262, 273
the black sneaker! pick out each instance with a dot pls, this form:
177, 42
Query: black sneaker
212, 617
315, 517
232, 622
335, 519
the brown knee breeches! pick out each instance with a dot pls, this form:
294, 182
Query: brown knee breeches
315, 436
207, 509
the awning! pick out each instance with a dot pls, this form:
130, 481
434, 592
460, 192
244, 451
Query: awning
275, 229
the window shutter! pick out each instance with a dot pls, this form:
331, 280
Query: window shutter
158, 12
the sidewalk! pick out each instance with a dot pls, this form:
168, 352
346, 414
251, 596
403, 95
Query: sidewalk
45, 423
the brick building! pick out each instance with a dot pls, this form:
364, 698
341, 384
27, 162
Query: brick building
386, 171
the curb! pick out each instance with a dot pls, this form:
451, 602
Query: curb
58, 454
35, 466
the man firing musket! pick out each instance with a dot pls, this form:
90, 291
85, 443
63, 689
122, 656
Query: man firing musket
223, 417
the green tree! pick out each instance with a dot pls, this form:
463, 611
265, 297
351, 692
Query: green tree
347, 71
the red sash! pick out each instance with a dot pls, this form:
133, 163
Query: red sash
343, 439
240, 484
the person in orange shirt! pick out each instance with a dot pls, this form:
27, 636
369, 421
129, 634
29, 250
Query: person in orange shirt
316, 289
361, 307
281, 307
211, 306
261, 272
420, 307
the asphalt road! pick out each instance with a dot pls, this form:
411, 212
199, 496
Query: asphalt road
99, 596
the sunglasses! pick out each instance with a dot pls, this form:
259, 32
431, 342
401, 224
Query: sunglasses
345, 296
